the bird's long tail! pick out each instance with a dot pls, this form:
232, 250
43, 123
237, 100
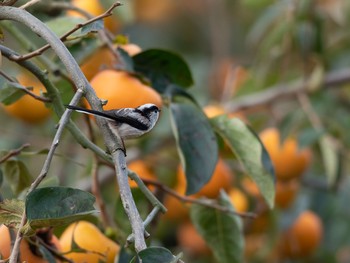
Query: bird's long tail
91, 112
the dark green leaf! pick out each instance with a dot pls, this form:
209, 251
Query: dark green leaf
196, 141
17, 174
93, 27
128, 63
223, 232
10, 92
154, 255
163, 68
125, 255
250, 151
11, 212
52, 206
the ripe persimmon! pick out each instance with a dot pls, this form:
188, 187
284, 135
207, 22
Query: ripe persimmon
27, 250
303, 237
123, 90
286, 192
104, 59
98, 247
289, 161
238, 199
221, 179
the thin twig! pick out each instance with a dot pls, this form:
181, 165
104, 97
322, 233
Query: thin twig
14, 152
57, 254
149, 195
8, 2
105, 36
28, 4
203, 202
10, 79
64, 36
157, 205
32, 94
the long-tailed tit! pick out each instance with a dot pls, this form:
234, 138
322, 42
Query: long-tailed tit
128, 122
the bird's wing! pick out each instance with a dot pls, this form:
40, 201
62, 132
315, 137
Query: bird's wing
131, 117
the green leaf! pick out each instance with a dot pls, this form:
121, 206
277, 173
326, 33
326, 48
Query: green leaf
10, 91
154, 255
250, 151
17, 174
11, 212
54, 206
93, 27
330, 157
196, 142
128, 64
162, 68
223, 232
125, 255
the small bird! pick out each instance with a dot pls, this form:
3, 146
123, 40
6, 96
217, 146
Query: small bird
129, 123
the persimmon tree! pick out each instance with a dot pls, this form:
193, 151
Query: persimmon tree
53, 60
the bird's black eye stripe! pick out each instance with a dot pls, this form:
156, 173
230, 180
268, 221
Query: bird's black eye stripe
144, 114
151, 109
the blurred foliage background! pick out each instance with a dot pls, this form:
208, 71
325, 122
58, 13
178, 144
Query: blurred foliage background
235, 49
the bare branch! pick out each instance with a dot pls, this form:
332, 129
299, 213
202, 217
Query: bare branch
32, 94
2, 73
14, 152
29, 4
203, 202
64, 36
105, 36
7, 2
286, 91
